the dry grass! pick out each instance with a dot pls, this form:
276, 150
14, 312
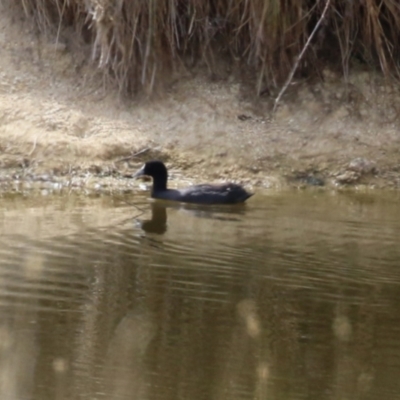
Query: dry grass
142, 43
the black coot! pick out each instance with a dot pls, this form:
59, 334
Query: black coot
225, 193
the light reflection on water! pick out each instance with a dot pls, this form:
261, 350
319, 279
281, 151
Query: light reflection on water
295, 295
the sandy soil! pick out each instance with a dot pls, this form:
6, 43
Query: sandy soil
61, 126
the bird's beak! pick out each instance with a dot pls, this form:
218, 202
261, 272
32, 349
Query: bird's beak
138, 173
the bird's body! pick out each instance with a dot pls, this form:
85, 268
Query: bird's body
225, 193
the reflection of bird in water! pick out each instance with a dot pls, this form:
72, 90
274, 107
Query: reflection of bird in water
225, 193
158, 222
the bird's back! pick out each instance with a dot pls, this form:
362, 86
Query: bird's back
226, 193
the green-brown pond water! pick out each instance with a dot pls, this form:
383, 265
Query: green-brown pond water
294, 296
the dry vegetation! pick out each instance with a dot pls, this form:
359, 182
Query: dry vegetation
64, 123
142, 44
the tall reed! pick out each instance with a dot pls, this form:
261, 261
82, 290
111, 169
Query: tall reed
141, 43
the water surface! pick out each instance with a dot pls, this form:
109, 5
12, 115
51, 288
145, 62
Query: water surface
296, 295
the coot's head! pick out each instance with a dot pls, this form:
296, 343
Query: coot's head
157, 170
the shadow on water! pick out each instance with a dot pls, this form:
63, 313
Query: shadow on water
292, 296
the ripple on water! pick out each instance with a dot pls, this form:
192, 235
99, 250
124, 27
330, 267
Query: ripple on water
293, 296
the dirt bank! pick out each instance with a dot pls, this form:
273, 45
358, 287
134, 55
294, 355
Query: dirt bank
60, 127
